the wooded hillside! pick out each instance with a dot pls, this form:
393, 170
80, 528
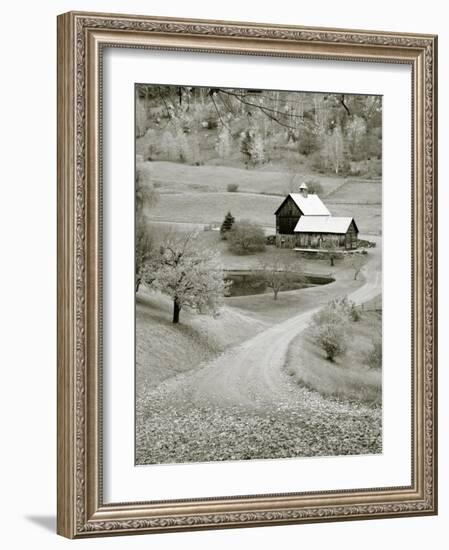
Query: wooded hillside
337, 134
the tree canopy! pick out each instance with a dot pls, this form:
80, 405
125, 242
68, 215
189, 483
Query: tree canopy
191, 275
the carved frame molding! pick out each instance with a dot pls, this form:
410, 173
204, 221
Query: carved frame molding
81, 39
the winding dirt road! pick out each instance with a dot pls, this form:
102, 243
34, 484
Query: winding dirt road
252, 375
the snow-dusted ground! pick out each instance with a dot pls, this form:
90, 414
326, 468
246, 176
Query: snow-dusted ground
244, 405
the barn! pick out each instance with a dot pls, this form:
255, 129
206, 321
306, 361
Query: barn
303, 221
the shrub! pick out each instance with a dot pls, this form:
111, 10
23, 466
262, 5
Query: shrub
232, 187
366, 244
330, 326
373, 356
354, 313
340, 309
332, 338
246, 238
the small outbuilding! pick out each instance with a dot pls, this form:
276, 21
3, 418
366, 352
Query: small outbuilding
303, 221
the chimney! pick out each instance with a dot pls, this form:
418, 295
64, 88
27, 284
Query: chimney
303, 189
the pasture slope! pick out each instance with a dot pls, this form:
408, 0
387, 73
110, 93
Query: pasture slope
164, 350
197, 195
243, 404
173, 177
348, 377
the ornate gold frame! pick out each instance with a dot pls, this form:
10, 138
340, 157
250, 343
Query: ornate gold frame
81, 37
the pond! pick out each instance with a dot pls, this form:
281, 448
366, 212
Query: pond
250, 282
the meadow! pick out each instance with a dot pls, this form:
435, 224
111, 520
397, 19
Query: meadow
164, 350
173, 177
348, 377
197, 194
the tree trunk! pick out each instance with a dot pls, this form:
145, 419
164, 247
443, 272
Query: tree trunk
176, 310
332, 260
275, 294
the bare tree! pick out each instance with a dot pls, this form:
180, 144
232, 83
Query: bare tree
144, 252
191, 275
146, 194
146, 198
293, 178
356, 262
148, 250
280, 271
356, 133
332, 251
333, 150
141, 117
223, 145
314, 186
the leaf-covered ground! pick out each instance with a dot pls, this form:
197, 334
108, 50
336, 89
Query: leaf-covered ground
176, 431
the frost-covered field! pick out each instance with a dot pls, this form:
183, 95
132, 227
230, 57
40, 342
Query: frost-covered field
171, 430
212, 390
197, 194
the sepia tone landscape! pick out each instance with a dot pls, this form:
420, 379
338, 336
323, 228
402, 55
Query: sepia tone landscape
258, 274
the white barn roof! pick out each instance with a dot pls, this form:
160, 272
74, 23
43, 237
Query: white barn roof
322, 224
310, 205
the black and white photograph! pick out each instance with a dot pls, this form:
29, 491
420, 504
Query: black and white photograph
258, 274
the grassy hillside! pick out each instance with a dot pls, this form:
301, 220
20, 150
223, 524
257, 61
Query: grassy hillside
367, 216
172, 177
212, 207
197, 194
348, 377
164, 349
357, 191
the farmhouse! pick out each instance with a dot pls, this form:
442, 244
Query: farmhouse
303, 221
